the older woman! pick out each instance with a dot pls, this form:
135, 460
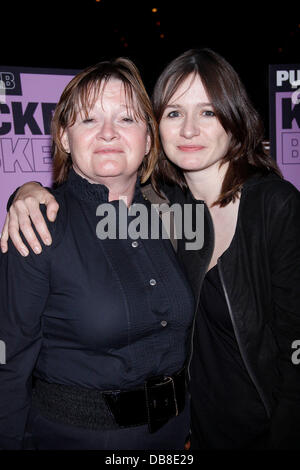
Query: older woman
245, 387
101, 325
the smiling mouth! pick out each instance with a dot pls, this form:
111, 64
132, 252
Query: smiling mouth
190, 148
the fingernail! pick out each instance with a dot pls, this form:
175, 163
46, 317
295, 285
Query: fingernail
24, 252
37, 250
47, 241
52, 215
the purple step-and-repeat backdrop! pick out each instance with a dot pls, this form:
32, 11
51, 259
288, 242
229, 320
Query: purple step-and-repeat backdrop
28, 97
284, 86
27, 100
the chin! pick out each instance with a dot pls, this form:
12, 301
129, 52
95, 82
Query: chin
107, 175
109, 169
190, 165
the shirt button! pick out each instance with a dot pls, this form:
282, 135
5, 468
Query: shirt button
152, 282
134, 244
164, 323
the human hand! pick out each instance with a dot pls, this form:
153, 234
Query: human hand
24, 211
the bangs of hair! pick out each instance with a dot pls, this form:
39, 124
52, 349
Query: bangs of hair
87, 93
80, 96
169, 91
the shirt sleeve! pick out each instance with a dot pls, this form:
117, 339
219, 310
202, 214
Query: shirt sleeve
24, 289
285, 274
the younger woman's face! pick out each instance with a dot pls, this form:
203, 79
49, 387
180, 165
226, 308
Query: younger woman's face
191, 135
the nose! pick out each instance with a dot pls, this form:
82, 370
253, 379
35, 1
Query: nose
190, 127
107, 131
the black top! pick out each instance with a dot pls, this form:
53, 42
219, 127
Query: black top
227, 412
104, 314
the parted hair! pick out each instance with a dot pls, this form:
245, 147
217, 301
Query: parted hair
246, 153
80, 95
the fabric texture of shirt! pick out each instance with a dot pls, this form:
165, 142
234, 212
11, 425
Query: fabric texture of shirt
104, 314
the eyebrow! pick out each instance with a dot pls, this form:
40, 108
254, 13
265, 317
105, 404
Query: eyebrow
128, 107
179, 106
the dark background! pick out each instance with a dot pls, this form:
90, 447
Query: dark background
75, 34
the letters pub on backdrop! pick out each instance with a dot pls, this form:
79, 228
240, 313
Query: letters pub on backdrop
285, 119
27, 100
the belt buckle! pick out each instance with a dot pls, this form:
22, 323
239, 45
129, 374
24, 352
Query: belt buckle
161, 401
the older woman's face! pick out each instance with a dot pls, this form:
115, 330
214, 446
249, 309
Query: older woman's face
191, 134
111, 142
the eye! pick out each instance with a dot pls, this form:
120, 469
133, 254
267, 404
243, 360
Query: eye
128, 119
173, 114
208, 113
88, 120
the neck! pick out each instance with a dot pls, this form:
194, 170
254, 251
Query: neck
121, 190
206, 184
118, 187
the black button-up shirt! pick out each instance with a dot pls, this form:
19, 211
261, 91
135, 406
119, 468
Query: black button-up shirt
103, 314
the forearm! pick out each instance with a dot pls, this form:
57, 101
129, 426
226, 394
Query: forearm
13, 195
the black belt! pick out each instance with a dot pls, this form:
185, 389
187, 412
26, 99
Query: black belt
160, 399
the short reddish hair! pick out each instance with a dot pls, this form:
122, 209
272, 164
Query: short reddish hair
82, 91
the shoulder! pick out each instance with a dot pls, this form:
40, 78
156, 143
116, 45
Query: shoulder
149, 193
270, 190
175, 194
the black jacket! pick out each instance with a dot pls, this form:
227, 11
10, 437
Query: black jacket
85, 312
260, 275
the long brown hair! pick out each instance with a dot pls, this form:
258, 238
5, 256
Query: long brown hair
81, 93
246, 154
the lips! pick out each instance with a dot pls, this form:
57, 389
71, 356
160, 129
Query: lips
108, 150
190, 148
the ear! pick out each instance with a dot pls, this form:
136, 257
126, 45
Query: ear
65, 141
148, 143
